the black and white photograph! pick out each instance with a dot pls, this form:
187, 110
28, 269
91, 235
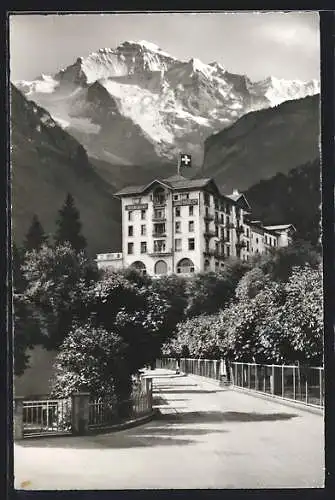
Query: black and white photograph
166, 250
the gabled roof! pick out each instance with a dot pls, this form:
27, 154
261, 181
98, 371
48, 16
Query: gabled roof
280, 227
174, 182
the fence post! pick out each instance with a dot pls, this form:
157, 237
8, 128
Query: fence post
320, 384
148, 389
223, 372
273, 380
294, 395
80, 412
18, 418
282, 381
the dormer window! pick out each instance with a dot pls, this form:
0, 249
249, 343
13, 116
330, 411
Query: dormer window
159, 196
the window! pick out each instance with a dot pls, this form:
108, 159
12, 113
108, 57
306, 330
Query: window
206, 227
217, 247
247, 246
178, 227
274, 243
177, 244
206, 199
177, 211
206, 264
216, 265
216, 230
130, 215
184, 196
175, 197
216, 216
227, 221
222, 219
159, 246
191, 244
143, 230
130, 231
247, 232
191, 226
216, 204
207, 246
256, 240
190, 210
266, 239
227, 235
227, 251
143, 213
159, 229
159, 196
130, 248
143, 247
159, 213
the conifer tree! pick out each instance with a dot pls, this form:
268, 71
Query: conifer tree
69, 226
35, 236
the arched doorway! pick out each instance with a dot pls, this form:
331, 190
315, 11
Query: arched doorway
139, 266
185, 266
161, 267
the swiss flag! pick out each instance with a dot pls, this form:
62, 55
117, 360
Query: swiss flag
185, 160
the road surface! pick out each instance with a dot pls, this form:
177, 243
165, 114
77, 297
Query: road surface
204, 438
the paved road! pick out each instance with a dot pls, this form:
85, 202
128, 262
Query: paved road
205, 438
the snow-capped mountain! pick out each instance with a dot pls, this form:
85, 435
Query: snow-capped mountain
138, 104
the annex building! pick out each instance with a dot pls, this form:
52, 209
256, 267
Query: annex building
182, 226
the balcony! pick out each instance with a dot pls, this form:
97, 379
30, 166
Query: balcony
160, 253
210, 234
208, 217
157, 234
159, 219
161, 201
217, 254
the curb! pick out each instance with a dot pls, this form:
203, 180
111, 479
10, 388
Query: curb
125, 425
282, 401
91, 432
268, 397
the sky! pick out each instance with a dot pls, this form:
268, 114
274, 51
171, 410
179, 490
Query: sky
284, 45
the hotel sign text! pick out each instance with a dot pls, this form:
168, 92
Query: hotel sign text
138, 206
185, 202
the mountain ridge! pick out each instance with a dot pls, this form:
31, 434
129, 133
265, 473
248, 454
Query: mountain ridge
162, 105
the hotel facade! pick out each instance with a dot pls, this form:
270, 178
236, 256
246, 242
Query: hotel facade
182, 226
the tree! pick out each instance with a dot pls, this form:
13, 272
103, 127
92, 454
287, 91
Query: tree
135, 314
209, 292
69, 226
200, 337
301, 316
25, 328
91, 358
35, 237
279, 263
57, 279
173, 290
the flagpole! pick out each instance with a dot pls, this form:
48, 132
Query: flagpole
178, 166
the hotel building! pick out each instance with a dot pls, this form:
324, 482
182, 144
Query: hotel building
182, 226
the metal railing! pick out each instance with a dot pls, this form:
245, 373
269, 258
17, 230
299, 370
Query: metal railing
101, 413
105, 413
298, 383
303, 384
50, 416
